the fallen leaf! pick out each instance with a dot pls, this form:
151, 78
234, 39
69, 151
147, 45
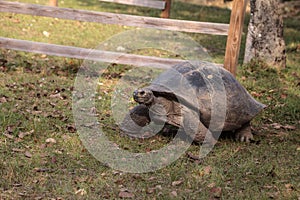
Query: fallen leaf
53, 159
8, 135
283, 96
17, 185
194, 157
17, 150
120, 48
216, 192
3, 100
150, 190
276, 126
176, 183
58, 95
126, 194
81, 192
211, 185
255, 94
174, 193
27, 154
207, 170
10, 129
158, 187
41, 169
23, 134
45, 33
51, 140
152, 178
279, 126
289, 127
71, 128
289, 187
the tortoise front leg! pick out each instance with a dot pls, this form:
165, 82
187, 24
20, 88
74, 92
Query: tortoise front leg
244, 134
135, 120
195, 128
204, 133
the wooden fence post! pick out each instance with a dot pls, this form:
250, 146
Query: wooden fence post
235, 35
166, 12
53, 3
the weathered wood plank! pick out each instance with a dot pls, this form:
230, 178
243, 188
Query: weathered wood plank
111, 18
89, 54
166, 11
235, 35
53, 3
144, 3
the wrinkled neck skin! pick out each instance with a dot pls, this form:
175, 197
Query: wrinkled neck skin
154, 100
158, 110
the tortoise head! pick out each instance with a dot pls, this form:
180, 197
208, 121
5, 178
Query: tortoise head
143, 96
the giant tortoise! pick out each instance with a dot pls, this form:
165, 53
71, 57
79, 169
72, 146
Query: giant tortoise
197, 96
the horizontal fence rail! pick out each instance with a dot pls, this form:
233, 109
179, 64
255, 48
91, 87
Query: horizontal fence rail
88, 54
143, 3
112, 18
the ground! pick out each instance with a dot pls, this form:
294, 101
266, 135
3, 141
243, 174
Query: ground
42, 156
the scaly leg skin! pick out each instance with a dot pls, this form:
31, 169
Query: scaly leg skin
137, 118
203, 133
244, 133
196, 129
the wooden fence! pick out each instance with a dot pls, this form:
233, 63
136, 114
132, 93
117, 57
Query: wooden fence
165, 5
233, 30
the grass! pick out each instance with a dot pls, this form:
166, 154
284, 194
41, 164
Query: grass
42, 156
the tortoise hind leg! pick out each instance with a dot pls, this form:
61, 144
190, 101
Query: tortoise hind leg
244, 133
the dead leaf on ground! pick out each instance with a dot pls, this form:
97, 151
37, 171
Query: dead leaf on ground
17, 150
71, 128
211, 185
51, 140
41, 169
9, 136
23, 134
126, 194
176, 183
150, 190
289, 127
27, 154
289, 187
207, 170
10, 129
3, 100
81, 192
195, 158
152, 178
159, 187
58, 95
278, 126
255, 94
283, 96
174, 193
216, 192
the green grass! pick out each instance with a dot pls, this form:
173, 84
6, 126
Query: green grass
36, 98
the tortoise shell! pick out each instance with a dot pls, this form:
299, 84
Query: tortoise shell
209, 90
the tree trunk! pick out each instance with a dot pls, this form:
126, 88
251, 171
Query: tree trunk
265, 33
